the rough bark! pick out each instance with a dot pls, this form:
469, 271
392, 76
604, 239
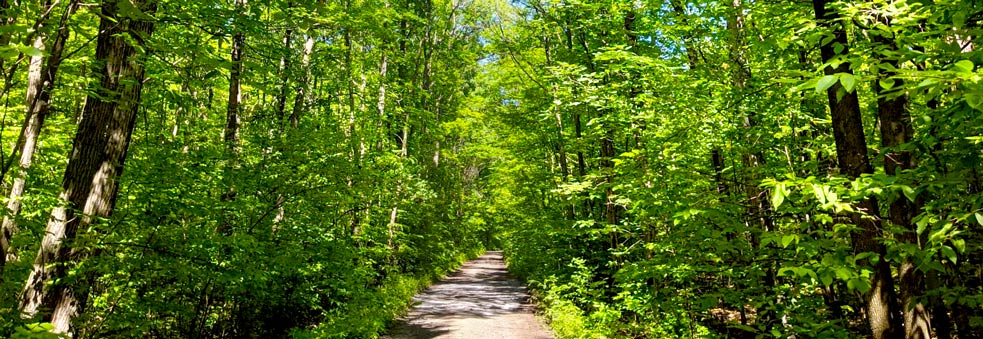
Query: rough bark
233, 114
234, 108
381, 102
300, 101
881, 302
91, 180
896, 130
41, 80
281, 98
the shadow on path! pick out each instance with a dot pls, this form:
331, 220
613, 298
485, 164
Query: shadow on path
481, 300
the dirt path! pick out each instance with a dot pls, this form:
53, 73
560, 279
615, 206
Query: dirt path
481, 300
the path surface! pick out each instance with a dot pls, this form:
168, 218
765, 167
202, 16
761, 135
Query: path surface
481, 300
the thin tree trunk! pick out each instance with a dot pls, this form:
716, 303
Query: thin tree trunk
352, 133
404, 136
281, 98
233, 111
91, 180
381, 103
691, 53
851, 150
41, 81
234, 108
300, 101
896, 130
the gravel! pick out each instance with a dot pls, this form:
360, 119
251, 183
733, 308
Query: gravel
481, 300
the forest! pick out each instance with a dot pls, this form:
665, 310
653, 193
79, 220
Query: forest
651, 168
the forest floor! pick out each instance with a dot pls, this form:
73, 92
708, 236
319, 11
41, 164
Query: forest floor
481, 300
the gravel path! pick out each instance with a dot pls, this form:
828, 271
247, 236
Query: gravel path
481, 300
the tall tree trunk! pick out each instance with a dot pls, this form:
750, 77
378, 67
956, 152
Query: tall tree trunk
300, 101
91, 180
692, 55
380, 106
851, 151
758, 206
233, 112
281, 98
41, 80
234, 108
354, 145
404, 136
896, 130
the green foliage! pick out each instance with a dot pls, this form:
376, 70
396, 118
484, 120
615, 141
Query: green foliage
35, 331
673, 168
653, 169
323, 229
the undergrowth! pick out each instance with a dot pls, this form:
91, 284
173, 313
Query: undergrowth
373, 311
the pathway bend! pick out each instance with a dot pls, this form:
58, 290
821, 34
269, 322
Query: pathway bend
479, 301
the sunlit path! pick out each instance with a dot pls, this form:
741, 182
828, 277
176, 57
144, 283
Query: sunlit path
481, 300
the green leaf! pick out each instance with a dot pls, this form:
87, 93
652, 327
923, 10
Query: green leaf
820, 193
959, 245
927, 82
964, 66
778, 195
979, 218
787, 240
8, 52
848, 81
909, 193
887, 83
859, 284
843, 273
959, 18
922, 225
31, 51
949, 253
825, 83
974, 100
826, 279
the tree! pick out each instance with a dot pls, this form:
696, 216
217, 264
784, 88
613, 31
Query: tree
95, 165
41, 81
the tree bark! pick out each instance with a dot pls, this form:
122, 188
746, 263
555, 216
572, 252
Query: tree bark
851, 151
41, 80
691, 53
300, 101
896, 130
233, 113
95, 165
281, 98
234, 108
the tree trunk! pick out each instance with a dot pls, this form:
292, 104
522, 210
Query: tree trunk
281, 98
234, 109
233, 114
896, 130
95, 165
300, 101
691, 53
380, 106
41, 81
851, 150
